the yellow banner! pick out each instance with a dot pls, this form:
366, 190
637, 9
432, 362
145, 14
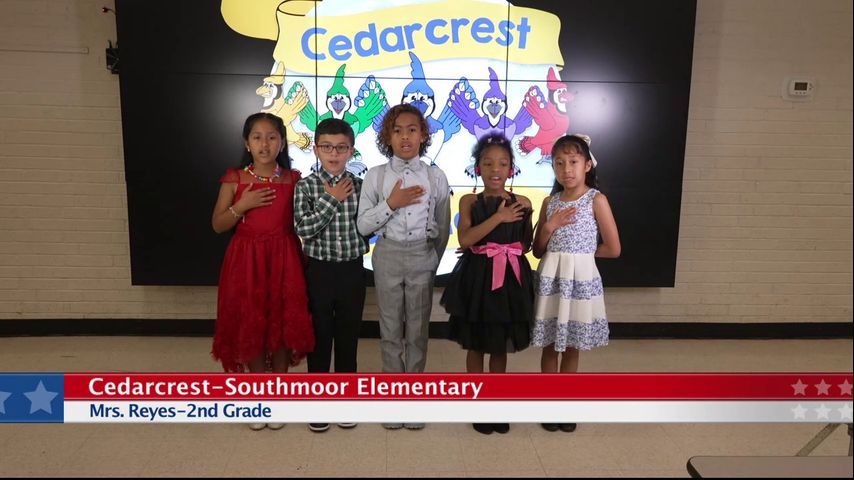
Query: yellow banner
381, 39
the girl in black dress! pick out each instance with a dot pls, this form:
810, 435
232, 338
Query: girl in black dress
490, 295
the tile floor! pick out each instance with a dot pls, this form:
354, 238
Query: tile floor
440, 450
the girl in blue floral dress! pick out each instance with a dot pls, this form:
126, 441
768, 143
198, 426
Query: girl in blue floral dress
569, 309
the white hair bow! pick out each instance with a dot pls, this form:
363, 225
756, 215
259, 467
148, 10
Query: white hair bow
586, 139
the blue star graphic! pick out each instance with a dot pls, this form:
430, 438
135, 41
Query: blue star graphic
3, 397
40, 399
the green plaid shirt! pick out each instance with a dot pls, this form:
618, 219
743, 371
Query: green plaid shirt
327, 226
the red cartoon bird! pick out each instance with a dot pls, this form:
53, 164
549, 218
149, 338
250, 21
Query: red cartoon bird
549, 114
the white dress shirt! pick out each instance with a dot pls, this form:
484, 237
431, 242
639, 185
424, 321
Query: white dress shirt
427, 219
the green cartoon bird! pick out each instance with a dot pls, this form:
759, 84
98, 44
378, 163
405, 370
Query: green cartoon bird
369, 104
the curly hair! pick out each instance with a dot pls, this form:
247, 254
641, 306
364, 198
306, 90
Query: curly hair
384, 137
492, 140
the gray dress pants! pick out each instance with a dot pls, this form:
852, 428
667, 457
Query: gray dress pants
403, 275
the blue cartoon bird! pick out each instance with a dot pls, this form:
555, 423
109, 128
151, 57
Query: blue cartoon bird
420, 95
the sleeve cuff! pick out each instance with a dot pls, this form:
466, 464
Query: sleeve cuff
328, 203
385, 212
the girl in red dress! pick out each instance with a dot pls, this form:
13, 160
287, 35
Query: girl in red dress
262, 305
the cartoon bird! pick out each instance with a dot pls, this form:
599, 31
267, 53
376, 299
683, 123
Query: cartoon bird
549, 114
285, 107
369, 104
420, 95
464, 104
491, 118
338, 102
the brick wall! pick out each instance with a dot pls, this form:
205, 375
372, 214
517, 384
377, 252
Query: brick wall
766, 227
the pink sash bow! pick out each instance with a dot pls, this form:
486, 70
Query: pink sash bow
500, 253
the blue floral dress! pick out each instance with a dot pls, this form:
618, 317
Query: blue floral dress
569, 309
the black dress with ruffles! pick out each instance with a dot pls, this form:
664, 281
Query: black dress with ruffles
486, 320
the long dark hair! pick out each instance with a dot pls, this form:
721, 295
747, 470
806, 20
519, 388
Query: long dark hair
283, 159
574, 144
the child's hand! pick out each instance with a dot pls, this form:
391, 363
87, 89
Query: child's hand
403, 197
341, 190
510, 213
255, 198
561, 218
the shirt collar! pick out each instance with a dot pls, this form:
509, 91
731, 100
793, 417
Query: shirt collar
324, 175
398, 164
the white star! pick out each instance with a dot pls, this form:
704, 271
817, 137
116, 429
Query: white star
845, 411
822, 412
844, 388
800, 387
800, 412
3, 397
823, 388
40, 399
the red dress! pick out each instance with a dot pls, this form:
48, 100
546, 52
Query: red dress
262, 304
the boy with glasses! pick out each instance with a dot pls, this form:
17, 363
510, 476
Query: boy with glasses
325, 206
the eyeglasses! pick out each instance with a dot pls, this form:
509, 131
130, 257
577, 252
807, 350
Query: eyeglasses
328, 147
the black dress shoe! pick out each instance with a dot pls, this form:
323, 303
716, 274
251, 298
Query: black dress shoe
501, 427
484, 428
551, 427
318, 427
567, 427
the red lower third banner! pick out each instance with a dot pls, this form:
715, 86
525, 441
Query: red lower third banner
455, 386
443, 397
